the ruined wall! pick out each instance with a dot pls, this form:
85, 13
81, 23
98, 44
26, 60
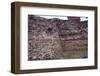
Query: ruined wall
51, 38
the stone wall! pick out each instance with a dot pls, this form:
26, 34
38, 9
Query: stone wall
51, 38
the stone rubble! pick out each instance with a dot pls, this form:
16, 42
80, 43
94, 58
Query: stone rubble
49, 38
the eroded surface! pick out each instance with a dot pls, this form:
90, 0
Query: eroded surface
56, 38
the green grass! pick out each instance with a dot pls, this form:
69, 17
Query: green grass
73, 54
